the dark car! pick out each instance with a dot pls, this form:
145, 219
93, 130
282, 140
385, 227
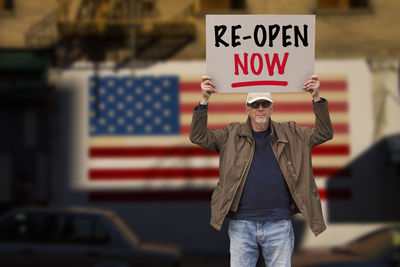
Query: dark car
378, 248
76, 237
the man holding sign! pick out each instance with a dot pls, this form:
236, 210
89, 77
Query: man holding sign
265, 166
265, 175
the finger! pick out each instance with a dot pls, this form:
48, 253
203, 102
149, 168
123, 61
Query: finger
310, 86
207, 84
312, 83
208, 88
314, 77
308, 82
205, 77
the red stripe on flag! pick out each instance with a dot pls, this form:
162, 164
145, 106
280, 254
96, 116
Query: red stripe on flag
342, 128
215, 108
173, 195
191, 151
189, 87
278, 107
308, 107
331, 150
143, 152
326, 85
332, 85
339, 128
189, 195
335, 193
155, 173
185, 173
332, 171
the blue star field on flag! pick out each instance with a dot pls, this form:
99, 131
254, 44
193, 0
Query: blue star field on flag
127, 105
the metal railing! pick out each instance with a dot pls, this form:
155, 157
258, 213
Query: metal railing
76, 19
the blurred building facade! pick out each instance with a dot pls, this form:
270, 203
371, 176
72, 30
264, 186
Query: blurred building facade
345, 28
41, 40
148, 30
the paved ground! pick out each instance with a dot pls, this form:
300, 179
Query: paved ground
209, 260
205, 260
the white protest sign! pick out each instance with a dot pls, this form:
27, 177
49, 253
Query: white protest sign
259, 53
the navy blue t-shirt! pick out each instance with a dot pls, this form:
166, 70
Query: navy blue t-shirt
265, 195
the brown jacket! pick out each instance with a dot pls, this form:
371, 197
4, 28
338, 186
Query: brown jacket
291, 145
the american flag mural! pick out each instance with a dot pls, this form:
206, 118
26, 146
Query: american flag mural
139, 150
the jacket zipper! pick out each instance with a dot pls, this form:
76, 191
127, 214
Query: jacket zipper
290, 187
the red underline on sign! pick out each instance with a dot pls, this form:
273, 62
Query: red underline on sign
255, 83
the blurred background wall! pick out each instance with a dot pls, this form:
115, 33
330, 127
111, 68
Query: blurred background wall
54, 53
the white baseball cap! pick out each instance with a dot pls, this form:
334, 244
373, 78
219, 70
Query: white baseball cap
253, 97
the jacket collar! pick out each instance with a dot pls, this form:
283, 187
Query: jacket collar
245, 129
276, 133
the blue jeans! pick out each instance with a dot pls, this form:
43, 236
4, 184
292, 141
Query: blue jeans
276, 239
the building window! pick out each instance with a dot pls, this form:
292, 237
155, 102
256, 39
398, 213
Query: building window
328, 5
6, 5
205, 6
238, 4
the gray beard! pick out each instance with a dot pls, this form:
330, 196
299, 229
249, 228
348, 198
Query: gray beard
263, 121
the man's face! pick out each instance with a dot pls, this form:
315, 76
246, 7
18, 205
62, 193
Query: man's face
260, 111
